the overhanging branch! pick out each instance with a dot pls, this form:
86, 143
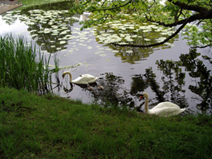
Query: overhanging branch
188, 7
155, 44
207, 15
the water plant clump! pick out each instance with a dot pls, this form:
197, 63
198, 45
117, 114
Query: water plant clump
22, 66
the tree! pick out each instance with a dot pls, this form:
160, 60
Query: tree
173, 13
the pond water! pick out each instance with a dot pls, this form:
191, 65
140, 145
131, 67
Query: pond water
166, 73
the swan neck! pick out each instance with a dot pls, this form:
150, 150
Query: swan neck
70, 75
146, 104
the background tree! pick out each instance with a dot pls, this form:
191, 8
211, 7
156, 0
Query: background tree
173, 13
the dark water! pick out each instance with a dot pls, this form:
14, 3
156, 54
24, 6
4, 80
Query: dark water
170, 72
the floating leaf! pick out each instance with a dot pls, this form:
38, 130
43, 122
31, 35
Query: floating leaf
102, 54
62, 42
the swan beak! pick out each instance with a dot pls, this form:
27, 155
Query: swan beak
141, 97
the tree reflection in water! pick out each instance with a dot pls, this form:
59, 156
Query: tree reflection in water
200, 72
112, 95
173, 82
171, 89
168, 92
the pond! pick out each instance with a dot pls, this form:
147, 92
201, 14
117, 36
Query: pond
170, 72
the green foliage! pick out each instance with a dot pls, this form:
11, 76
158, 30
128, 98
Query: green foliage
22, 66
199, 36
174, 13
77, 8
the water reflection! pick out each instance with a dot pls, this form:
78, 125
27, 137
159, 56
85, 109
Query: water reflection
52, 26
126, 32
172, 88
203, 76
168, 92
197, 70
136, 54
113, 94
51, 29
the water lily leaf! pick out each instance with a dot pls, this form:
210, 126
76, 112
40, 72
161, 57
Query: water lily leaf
108, 60
102, 54
146, 39
129, 51
62, 42
115, 51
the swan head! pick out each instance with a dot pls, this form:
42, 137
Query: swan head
64, 73
144, 95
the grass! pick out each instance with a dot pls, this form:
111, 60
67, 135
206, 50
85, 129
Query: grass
22, 66
33, 126
27, 3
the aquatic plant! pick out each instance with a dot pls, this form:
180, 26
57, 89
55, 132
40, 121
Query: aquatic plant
22, 66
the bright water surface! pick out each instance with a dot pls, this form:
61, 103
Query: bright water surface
125, 72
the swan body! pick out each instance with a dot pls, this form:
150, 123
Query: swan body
82, 79
163, 109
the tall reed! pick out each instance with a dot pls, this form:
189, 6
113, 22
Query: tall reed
22, 66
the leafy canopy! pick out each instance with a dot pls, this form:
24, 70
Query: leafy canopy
195, 16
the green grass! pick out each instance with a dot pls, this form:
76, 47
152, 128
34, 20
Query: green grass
22, 66
33, 126
27, 3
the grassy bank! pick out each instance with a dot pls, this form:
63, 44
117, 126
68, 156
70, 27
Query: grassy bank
33, 126
27, 3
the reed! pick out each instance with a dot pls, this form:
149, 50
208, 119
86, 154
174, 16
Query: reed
22, 66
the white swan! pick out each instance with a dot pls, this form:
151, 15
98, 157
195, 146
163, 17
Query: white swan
163, 109
83, 79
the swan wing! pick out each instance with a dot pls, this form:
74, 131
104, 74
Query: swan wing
85, 79
89, 78
79, 80
166, 105
166, 111
87, 75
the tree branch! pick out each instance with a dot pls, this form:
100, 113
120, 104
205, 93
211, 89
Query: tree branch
206, 15
200, 47
188, 7
156, 44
